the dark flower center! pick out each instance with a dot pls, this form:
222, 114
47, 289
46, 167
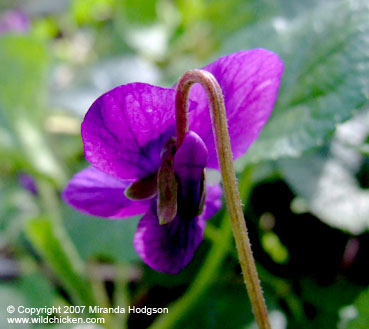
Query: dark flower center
177, 192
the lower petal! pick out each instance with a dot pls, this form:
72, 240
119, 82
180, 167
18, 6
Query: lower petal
96, 193
168, 248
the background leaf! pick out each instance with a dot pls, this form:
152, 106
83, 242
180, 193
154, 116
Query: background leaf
361, 318
100, 237
327, 179
49, 241
326, 57
24, 63
9, 295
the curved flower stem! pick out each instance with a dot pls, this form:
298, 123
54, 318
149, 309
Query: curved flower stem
224, 152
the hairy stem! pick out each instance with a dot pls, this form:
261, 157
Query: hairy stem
224, 152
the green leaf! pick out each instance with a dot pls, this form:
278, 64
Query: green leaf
49, 241
24, 67
88, 11
360, 312
326, 179
228, 303
140, 12
24, 63
102, 238
327, 300
274, 247
37, 290
22, 86
326, 78
9, 295
30, 290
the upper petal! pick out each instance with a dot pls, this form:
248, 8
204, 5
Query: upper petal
99, 194
126, 128
250, 82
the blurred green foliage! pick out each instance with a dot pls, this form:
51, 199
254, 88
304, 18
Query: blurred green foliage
308, 211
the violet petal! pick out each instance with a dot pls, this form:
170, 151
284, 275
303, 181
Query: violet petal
96, 193
250, 82
125, 130
14, 21
189, 163
191, 157
28, 183
169, 248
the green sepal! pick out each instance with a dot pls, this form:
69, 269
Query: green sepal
145, 188
167, 186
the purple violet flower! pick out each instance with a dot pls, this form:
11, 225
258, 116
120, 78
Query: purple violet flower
14, 21
128, 139
28, 183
